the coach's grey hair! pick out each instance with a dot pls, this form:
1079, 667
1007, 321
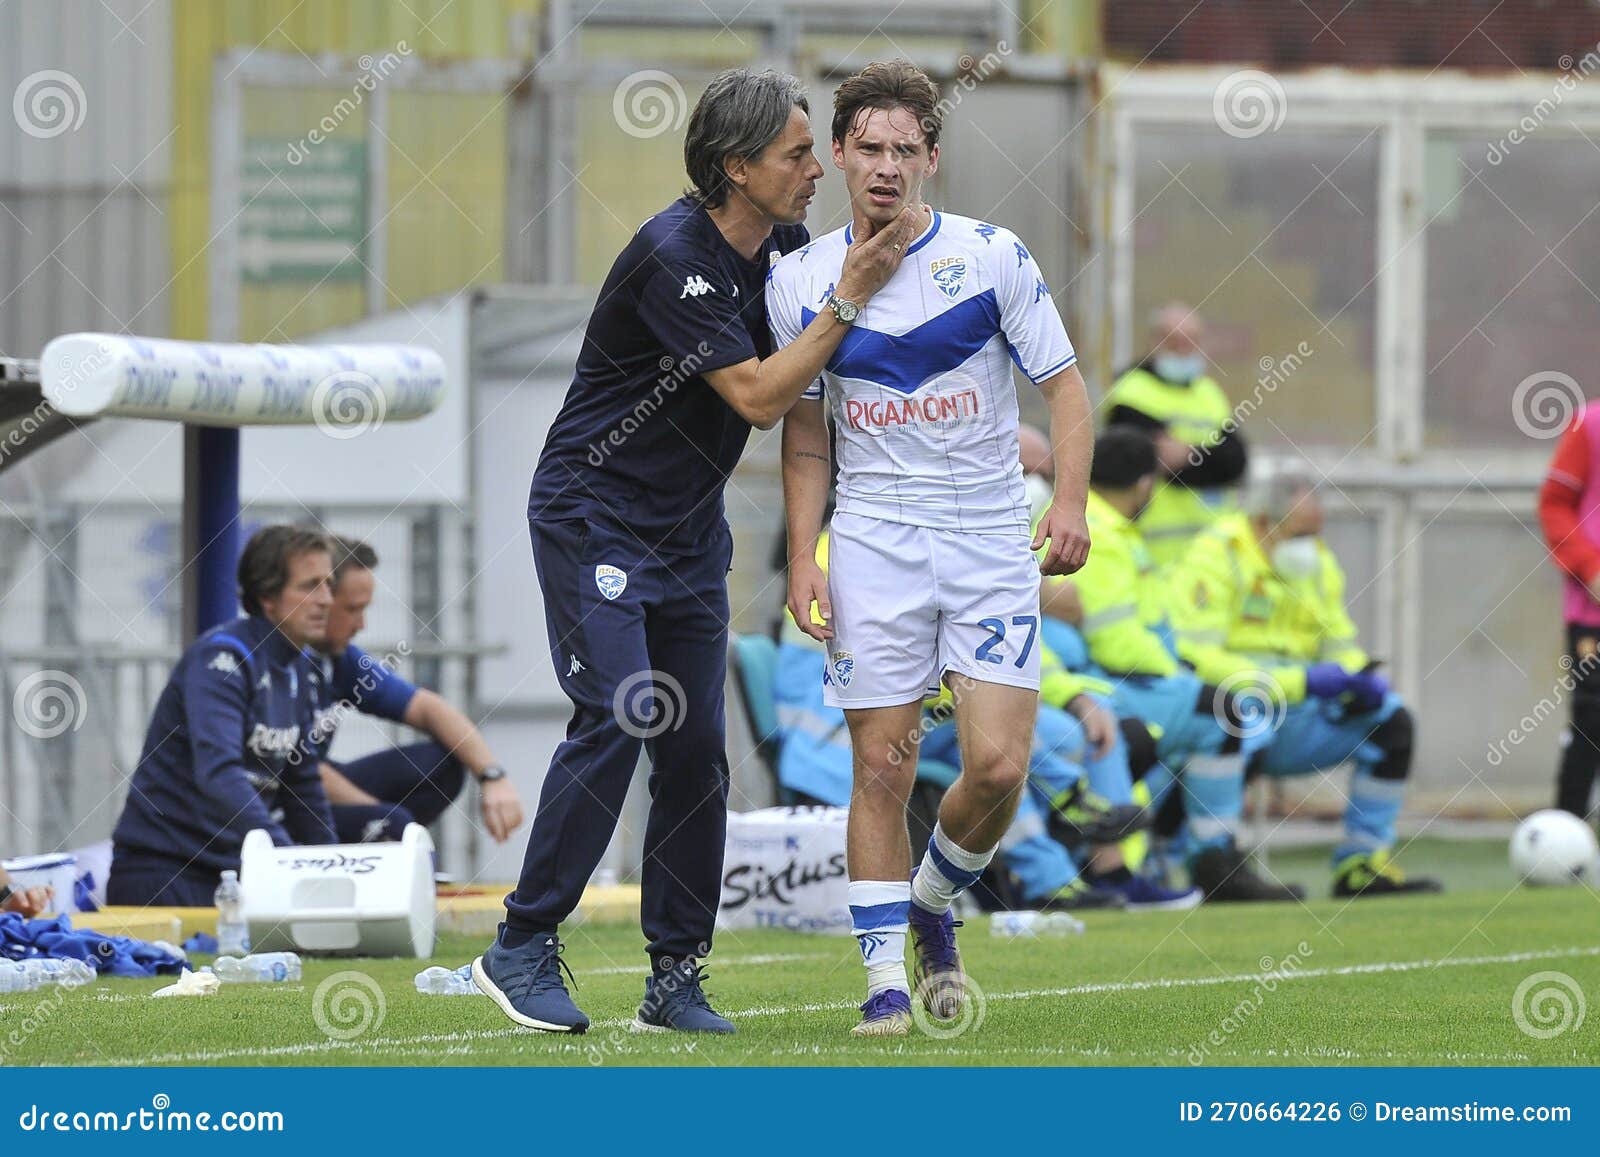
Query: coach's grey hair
740, 113
1274, 494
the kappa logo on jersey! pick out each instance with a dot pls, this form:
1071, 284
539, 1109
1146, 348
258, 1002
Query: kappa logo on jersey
949, 274
694, 286
611, 581
265, 682
223, 661
986, 231
844, 666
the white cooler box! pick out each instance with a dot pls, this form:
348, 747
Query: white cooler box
58, 870
352, 899
785, 868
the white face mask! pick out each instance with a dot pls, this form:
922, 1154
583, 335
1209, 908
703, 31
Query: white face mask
1179, 367
1039, 494
1297, 558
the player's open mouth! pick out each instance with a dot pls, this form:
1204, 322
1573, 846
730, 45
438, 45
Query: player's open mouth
883, 194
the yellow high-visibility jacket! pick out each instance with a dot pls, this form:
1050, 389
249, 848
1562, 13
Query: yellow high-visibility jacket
1233, 614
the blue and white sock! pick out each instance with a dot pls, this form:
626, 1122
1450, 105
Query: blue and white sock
878, 920
946, 871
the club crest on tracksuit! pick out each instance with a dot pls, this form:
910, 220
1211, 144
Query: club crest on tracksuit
949, 274
844, 665
611, 581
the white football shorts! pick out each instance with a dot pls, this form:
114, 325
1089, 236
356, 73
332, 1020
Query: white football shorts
910, 604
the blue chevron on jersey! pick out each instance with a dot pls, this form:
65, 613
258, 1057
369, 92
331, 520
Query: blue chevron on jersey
906, 361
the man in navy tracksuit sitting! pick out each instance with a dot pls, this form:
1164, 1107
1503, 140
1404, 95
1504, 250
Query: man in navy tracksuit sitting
375, 797
223, 754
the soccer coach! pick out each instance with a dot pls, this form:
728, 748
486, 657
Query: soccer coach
632, 549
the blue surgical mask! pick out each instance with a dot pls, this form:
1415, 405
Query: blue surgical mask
1178, 367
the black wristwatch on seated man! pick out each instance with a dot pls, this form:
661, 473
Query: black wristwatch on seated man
6, 892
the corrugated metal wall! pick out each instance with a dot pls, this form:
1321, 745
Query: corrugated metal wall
85, 168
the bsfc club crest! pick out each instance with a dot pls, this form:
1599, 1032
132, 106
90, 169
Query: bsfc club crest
611, 581
844, 665
949, 274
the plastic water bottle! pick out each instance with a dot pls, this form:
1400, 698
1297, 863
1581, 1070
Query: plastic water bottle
15, 978
1019, 925
233, 935
63, 973
436, 981
261, 968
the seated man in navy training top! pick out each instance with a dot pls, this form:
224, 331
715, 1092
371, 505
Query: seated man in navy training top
632, 549
375, 797
223, 754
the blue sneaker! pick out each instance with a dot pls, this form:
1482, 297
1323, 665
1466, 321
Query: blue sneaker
675, 1002
941, 982
886, 1014
526, 983
1144, 895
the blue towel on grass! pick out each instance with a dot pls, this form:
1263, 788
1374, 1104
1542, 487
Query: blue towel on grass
22, 939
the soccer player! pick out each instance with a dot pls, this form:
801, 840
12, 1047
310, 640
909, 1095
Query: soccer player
375, 797
632, 548
933, 575
223, 754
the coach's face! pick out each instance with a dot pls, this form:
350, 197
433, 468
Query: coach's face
885, 158
300, 609
781, 180
347, 617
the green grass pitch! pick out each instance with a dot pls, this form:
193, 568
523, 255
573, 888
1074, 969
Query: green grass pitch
1425, 981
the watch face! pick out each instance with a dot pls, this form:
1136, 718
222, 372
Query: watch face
845, 310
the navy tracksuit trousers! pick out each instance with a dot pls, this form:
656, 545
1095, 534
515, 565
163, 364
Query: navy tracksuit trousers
639, 641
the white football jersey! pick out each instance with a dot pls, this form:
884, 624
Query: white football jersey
920, 389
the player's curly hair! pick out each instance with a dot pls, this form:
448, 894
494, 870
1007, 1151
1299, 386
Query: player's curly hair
264, 562
891, 84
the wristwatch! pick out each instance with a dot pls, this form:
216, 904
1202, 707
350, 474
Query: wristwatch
843, 309
492, 773
6, 892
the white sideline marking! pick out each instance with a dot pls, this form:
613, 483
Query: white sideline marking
576, 1045
1206, 981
